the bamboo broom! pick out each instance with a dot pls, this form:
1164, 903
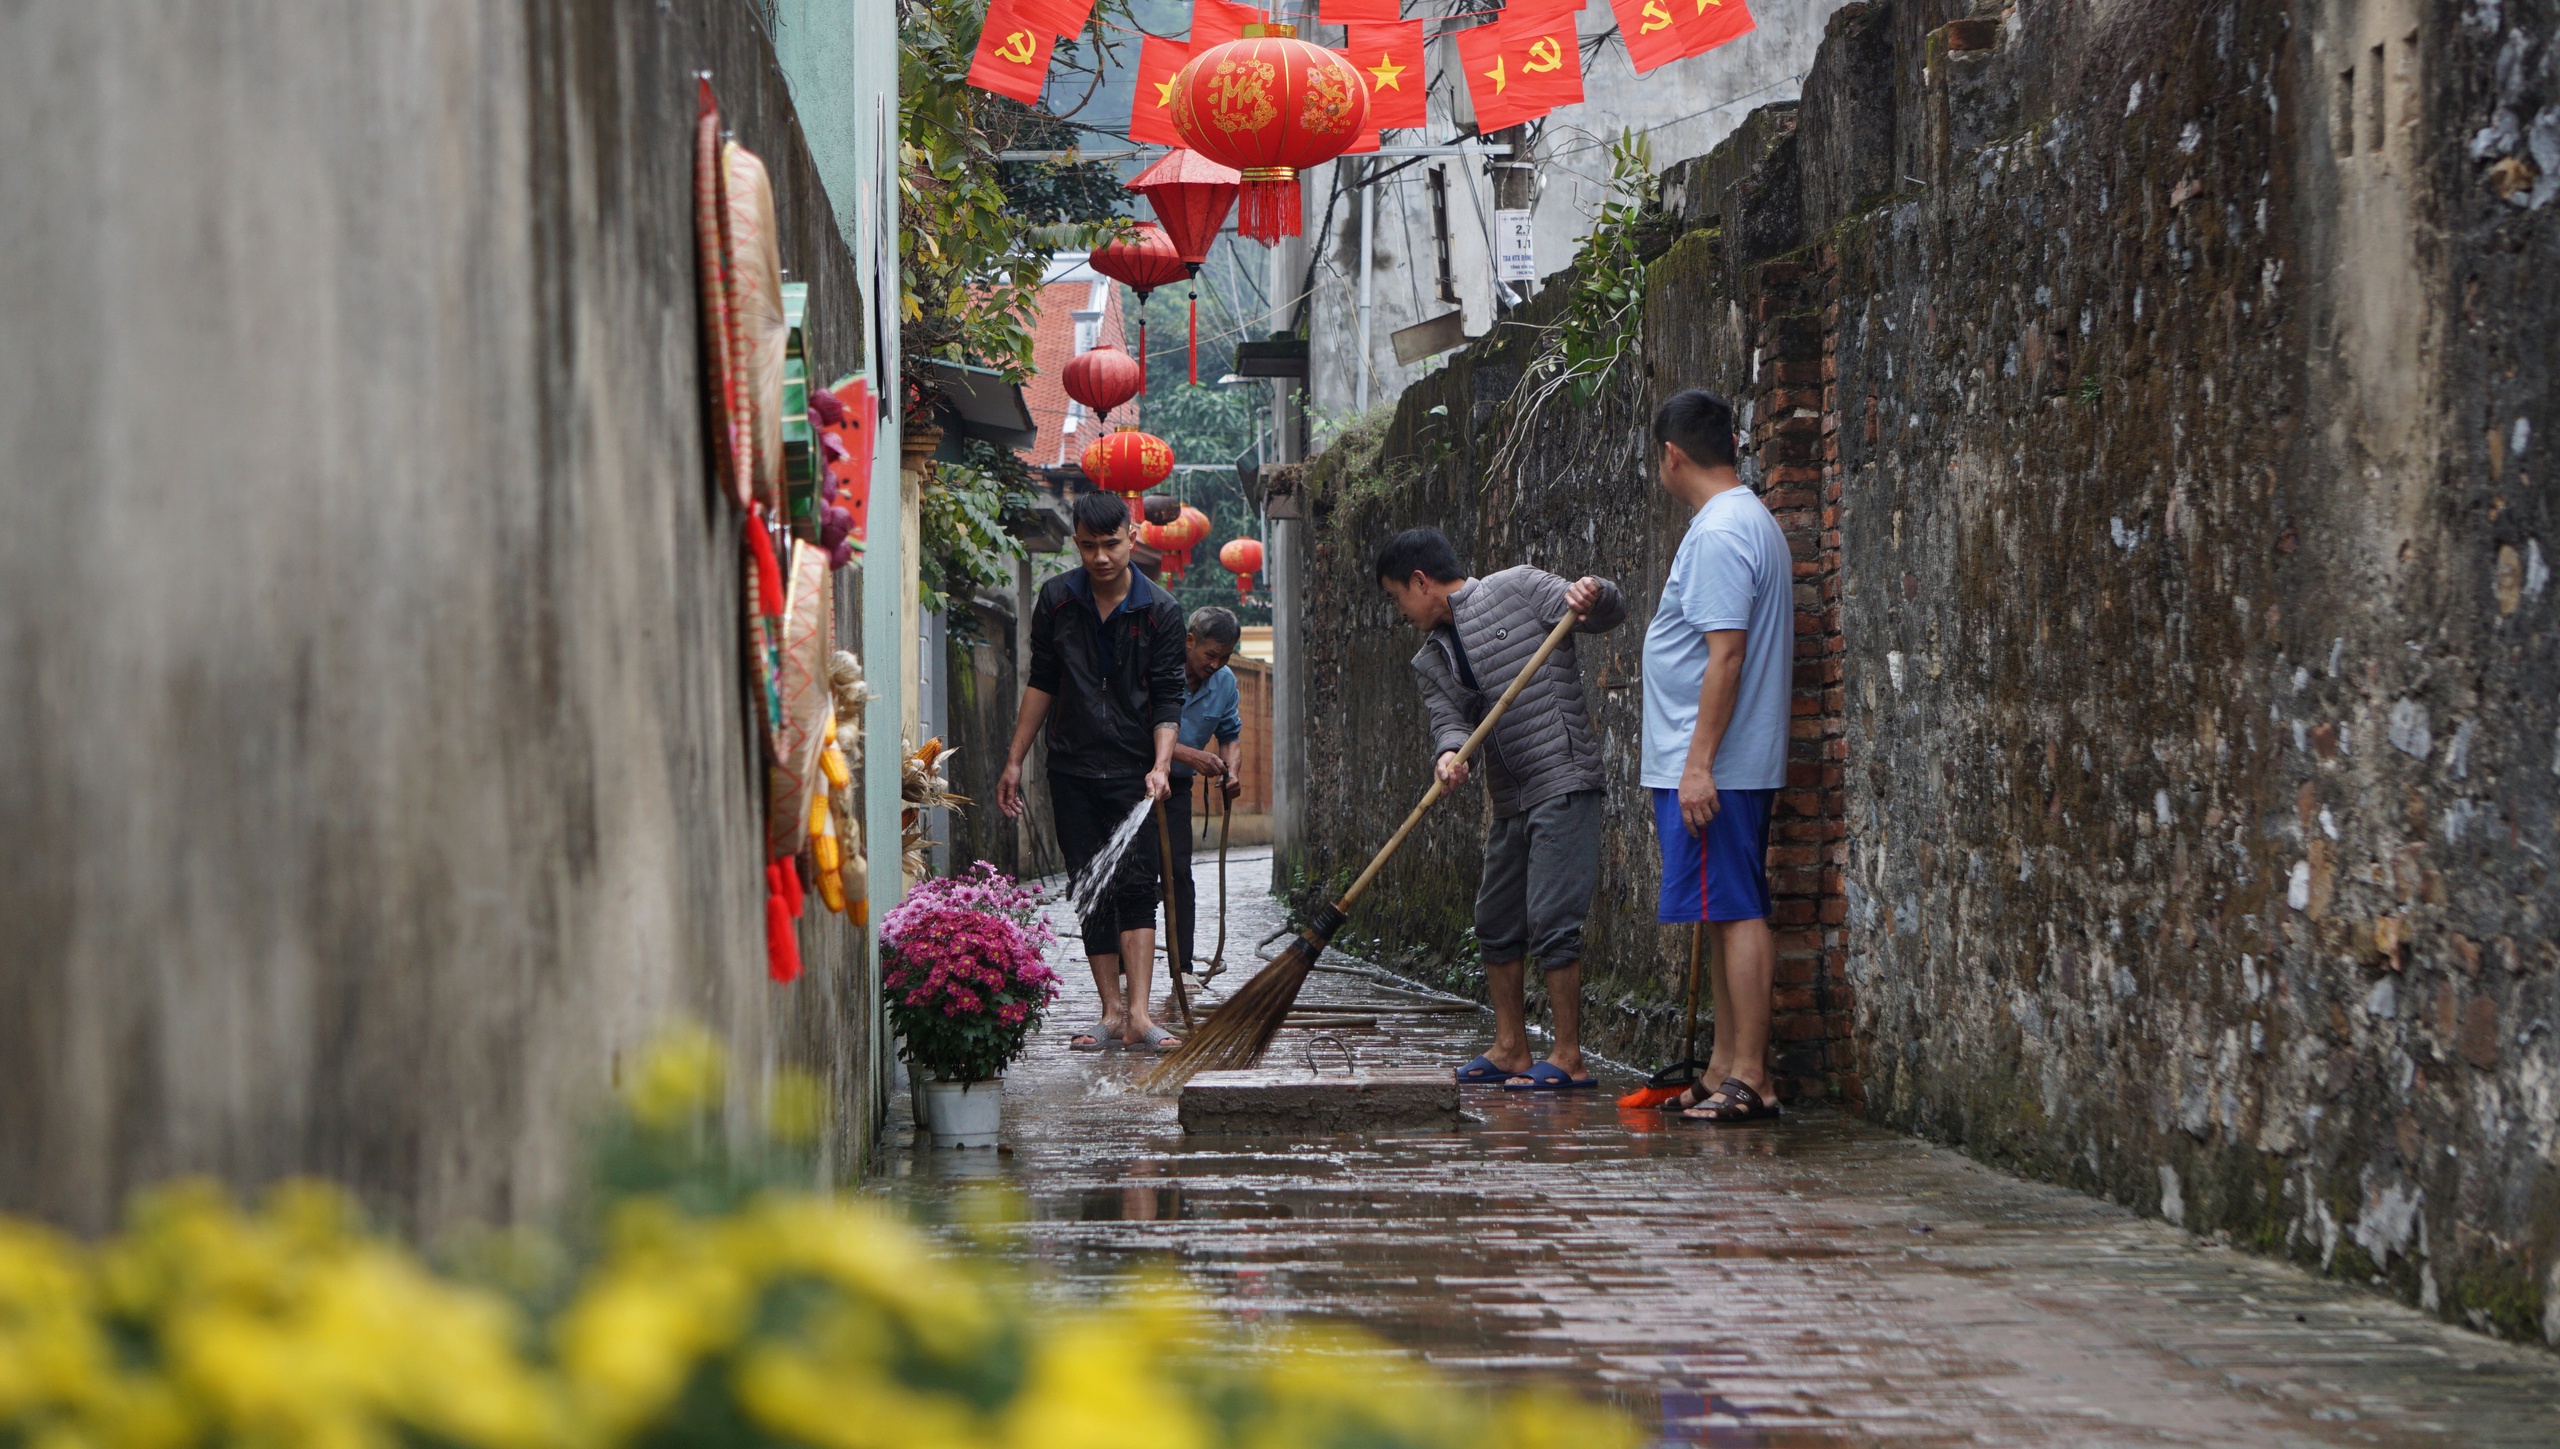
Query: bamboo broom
1237, 1034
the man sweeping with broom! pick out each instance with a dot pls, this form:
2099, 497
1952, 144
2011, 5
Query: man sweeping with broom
1542, 767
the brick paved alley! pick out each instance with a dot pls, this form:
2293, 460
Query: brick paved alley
1819, 1281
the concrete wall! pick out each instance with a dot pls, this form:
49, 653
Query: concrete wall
2184, 704
378, 770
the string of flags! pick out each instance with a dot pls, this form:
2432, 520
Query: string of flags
1522, 65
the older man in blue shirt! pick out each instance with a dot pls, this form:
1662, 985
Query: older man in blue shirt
1209, 717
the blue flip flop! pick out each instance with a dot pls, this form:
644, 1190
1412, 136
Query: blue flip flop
1547, 1077
1481, 1072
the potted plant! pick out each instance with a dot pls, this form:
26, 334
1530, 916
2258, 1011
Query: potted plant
965, 986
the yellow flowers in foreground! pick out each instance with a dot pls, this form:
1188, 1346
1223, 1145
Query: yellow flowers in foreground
795, 1319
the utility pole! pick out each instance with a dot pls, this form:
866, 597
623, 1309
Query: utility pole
1287, 527
1515, 188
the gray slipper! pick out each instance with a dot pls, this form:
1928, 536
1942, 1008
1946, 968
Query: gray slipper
1087, 1041
1158, 1040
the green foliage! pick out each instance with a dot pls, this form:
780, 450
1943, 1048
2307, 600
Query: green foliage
971, 254
1603, 319
1602, 322
963, 511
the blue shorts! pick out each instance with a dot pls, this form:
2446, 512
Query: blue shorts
1728, 866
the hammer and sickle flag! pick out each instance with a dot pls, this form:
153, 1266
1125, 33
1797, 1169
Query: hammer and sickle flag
1390, 59
1013, 54
1707, 24
1653, 31
1523, 65
1151, 110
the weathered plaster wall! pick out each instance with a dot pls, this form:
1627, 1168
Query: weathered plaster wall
378, 775
2173, 425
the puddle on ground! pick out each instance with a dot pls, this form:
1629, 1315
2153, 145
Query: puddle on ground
1813, 1281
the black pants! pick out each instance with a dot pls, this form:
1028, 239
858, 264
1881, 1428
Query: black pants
1088, 811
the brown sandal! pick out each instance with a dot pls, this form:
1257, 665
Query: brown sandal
1693, 1095
1740, 1104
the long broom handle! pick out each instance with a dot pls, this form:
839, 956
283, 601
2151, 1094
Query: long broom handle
1172, 928
1438, 788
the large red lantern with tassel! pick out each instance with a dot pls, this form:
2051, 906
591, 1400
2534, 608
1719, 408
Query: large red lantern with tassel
1191, 195
1144, 258
1102, 378
1270, 105
1128, 462
1243, 558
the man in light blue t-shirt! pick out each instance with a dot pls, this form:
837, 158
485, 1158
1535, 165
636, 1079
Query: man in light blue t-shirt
1719, 664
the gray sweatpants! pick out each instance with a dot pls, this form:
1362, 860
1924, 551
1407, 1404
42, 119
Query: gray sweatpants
1541, 867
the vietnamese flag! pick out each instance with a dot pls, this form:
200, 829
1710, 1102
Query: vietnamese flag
1151, 114
1653, 32
1522, 66
1390, 58
1215, 22
1368, 142
1061, 17
1711, 23
1358, 12
1013, 54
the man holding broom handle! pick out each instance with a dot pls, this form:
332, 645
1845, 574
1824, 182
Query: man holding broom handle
1106, 681
1542, 767
1719, 666
1209, 743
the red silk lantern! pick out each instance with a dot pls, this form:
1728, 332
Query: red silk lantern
1191, 195
1103, 377
1270, 105
1144, 257
1243, 558
1128, 462
1194, 525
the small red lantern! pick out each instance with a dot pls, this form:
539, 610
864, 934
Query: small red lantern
1243, 558
1144, 257
1102, 378
1191, 195
1128, 462
1270, 105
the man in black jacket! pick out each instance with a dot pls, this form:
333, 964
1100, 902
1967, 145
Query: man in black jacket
1107, 680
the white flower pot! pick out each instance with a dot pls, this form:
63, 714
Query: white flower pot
964, 1114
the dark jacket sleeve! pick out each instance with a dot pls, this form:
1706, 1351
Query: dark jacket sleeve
1607, 613
1164, 667
1044, 645
1451, 721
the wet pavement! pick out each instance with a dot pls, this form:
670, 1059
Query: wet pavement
1811, 1281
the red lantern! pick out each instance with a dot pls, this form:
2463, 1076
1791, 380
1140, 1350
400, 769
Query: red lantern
1194, 525
1102, 378
1243, 558
1144, 258
1270, 105
1191, 195
1128, 462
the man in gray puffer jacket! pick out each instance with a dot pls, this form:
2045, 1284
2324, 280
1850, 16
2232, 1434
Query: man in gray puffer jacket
1542, 768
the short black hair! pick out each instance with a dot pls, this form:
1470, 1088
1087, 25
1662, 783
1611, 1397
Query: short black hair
1425, 550
1701, 423
1215, 625
1101, 514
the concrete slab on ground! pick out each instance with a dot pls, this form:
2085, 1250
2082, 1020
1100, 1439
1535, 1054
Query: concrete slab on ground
1814, 1280
1283, 1100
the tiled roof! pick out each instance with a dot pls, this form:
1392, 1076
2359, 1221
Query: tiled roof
1071, 286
